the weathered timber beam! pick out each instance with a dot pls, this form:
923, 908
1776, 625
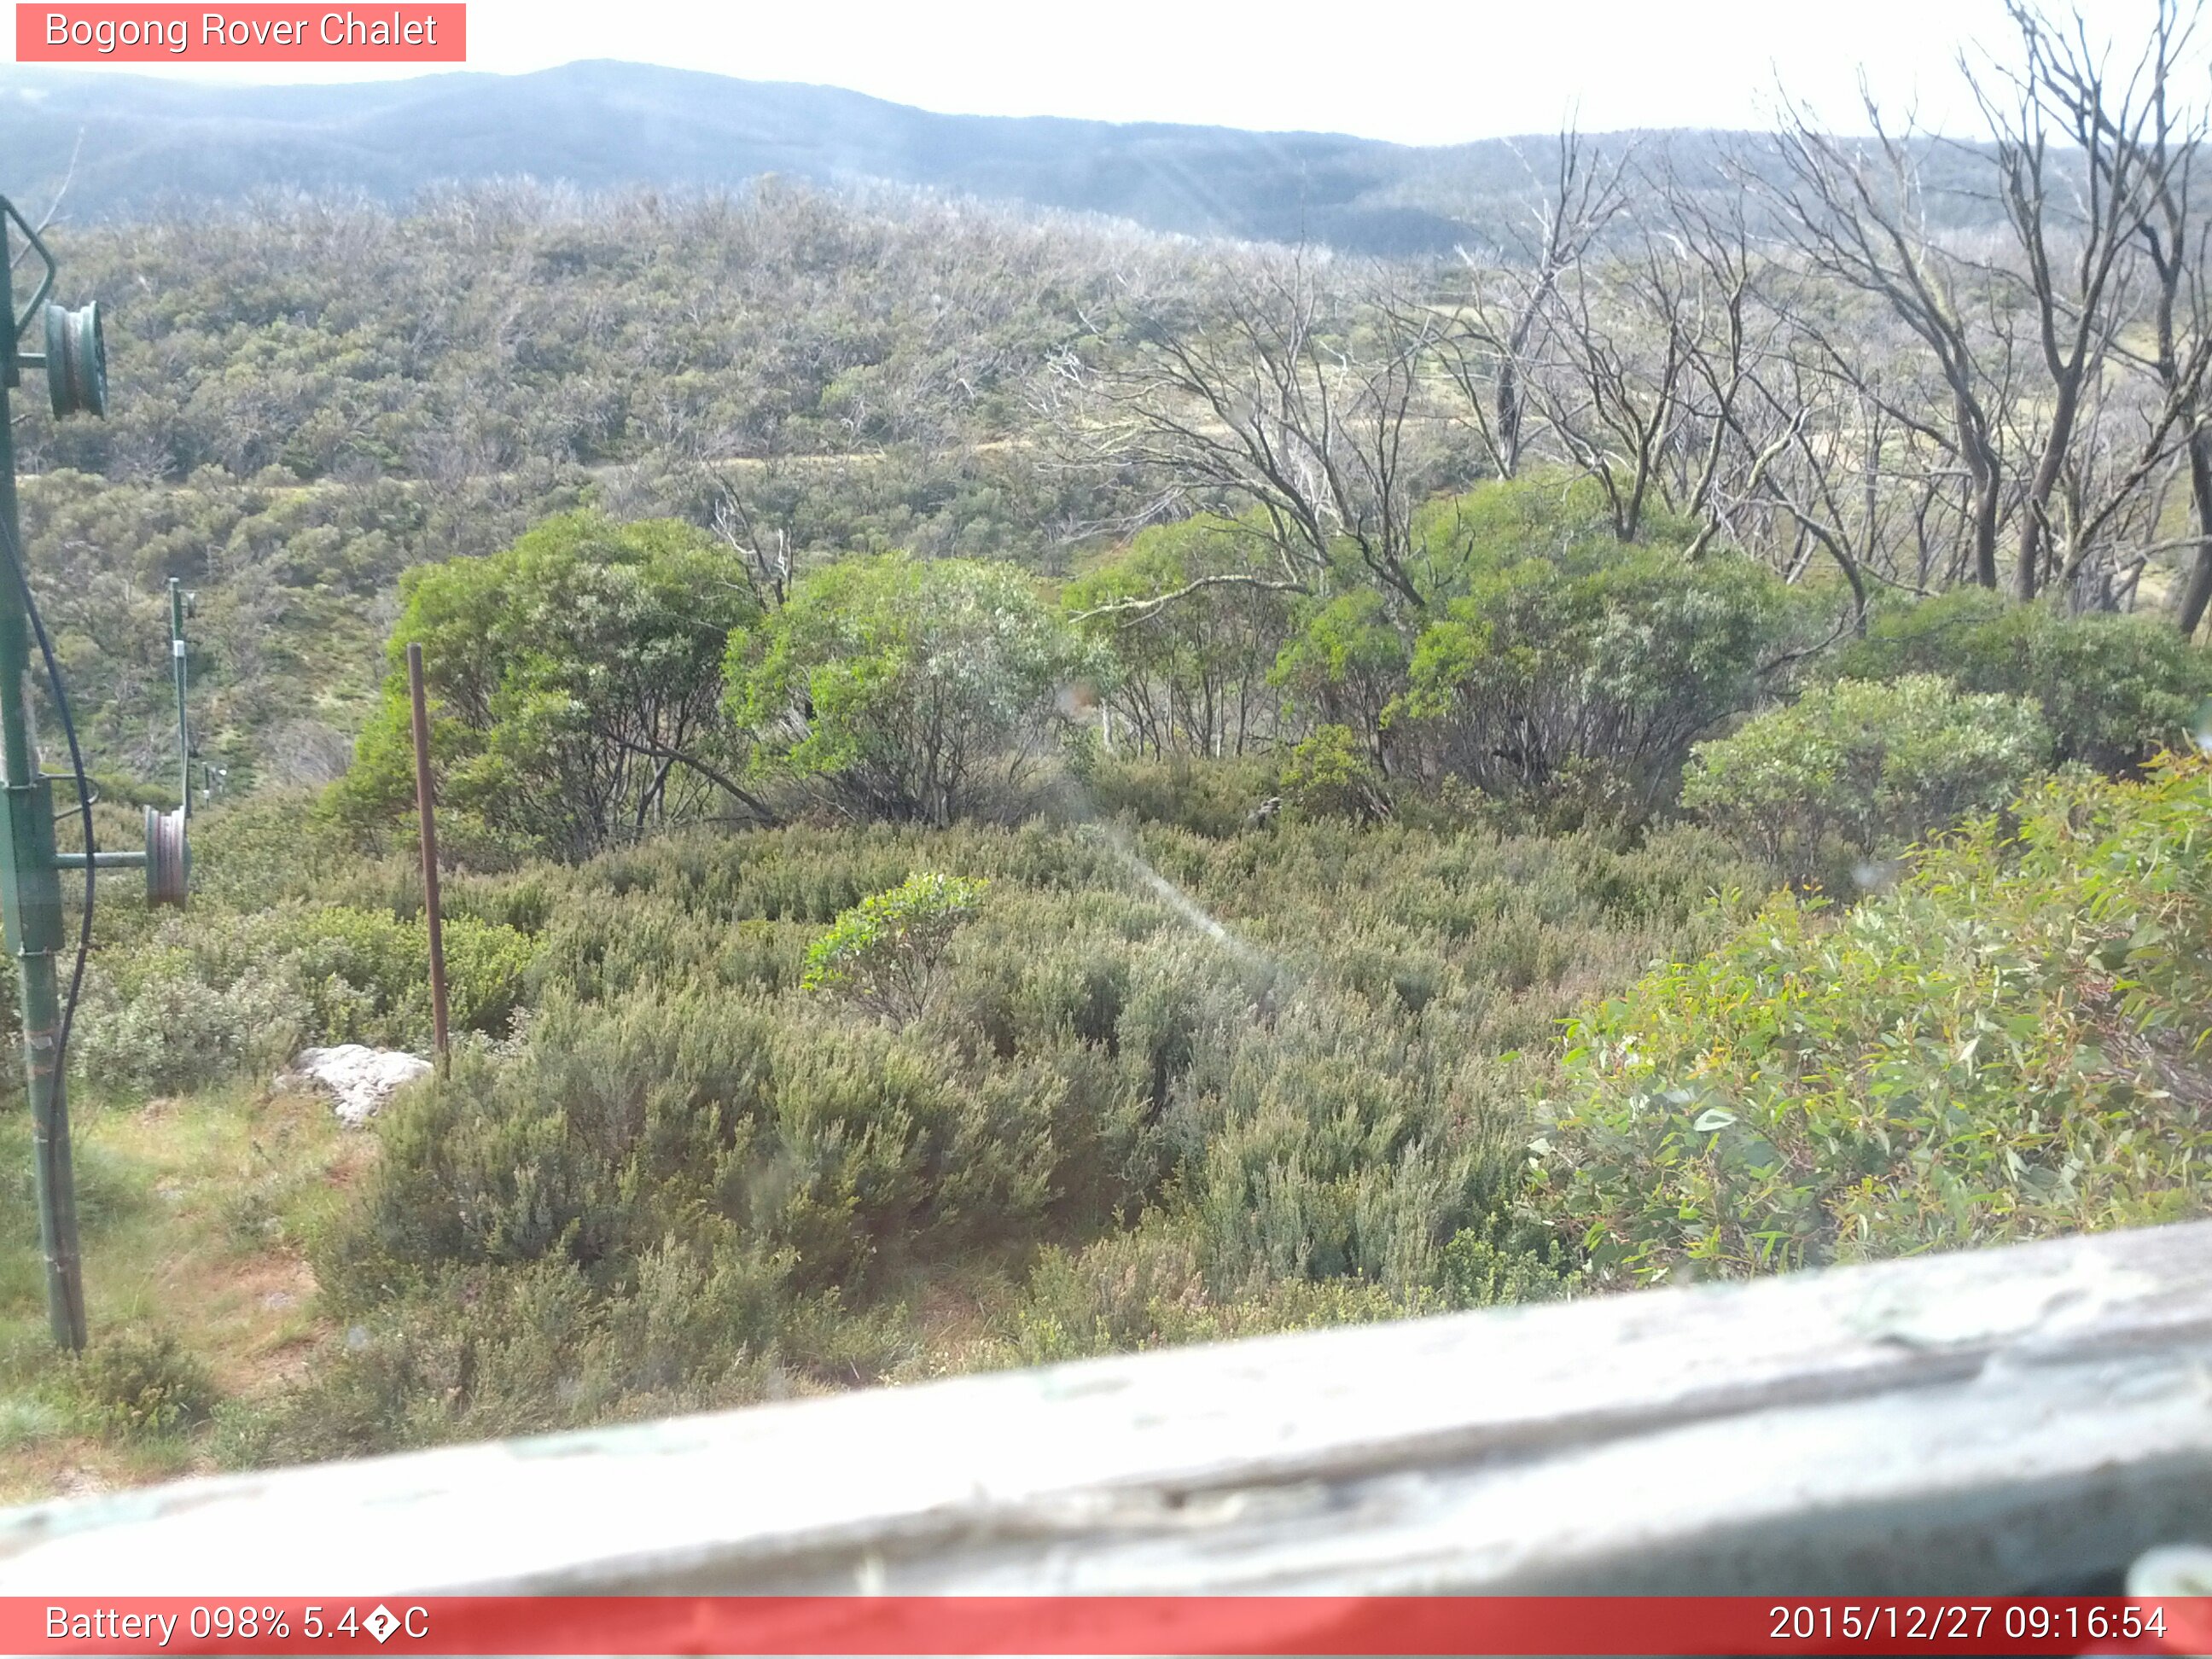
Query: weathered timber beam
2032, 1418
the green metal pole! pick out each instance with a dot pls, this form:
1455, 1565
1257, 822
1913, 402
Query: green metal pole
31, 895
177, 662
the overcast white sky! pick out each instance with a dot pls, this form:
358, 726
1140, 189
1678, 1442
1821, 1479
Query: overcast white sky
1420, 71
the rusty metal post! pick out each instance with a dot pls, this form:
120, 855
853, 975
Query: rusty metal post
430, 848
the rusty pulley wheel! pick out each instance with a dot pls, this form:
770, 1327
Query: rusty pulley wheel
169, 860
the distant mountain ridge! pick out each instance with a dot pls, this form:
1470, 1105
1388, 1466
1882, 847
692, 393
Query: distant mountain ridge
146, 146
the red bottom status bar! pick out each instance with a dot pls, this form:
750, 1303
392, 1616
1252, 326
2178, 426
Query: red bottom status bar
1136, 1626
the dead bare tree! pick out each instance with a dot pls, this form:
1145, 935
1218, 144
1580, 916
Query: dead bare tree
47, 219
1614, 392
1819, 458
2076, 218
1651, 390
1297, 398
1857, 216
1737, 329
2174, 246
1488, 351
762, 548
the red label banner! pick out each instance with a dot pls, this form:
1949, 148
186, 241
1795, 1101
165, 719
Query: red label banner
242, 35
1136, 1626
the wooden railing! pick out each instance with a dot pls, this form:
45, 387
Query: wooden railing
2024, 1420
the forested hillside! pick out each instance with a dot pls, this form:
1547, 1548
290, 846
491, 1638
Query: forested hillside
1014, 787
310, 402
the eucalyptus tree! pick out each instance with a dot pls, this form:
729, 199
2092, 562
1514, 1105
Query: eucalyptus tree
575, 685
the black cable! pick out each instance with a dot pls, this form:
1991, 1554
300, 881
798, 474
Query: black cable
83, 785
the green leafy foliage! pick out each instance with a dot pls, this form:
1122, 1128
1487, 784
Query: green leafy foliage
885, 951
2114, 690
906, 689
1194, 670
1344, 664
1562, 661
1207, 797
1195, 1070
367, 973
1525, 651
1327, 777
1279, 1076
205, 997
2007, 1045
311, 398
575, 680
1146, 1289
1874, 766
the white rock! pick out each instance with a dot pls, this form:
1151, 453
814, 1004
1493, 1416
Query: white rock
361, 1079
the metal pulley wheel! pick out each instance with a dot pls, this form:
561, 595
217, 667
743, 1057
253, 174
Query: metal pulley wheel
76, 360
169, 860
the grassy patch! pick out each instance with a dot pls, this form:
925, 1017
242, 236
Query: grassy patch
196, 1212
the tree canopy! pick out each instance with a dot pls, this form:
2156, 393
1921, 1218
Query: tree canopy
901, 687
575, 682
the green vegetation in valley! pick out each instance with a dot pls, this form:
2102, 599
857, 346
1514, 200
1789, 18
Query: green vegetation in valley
1014, 791
836, 1007
1288, 1088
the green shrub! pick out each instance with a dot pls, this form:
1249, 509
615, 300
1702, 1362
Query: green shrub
1207, 798
1231, 1083
573, 679
1563, 662
903, 688
2007, 1045
137, 1383
1329, 777
1194, 670
1344, 664
1477, 1272
1877, 766
158, 1025
367, 973
1144, 1289
271, 846
884, 952
2113, 690
209, 994
706, 1118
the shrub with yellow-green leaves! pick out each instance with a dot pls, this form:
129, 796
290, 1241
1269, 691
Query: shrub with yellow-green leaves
135, 1383
1327, 777
884, 952
2007, 1045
